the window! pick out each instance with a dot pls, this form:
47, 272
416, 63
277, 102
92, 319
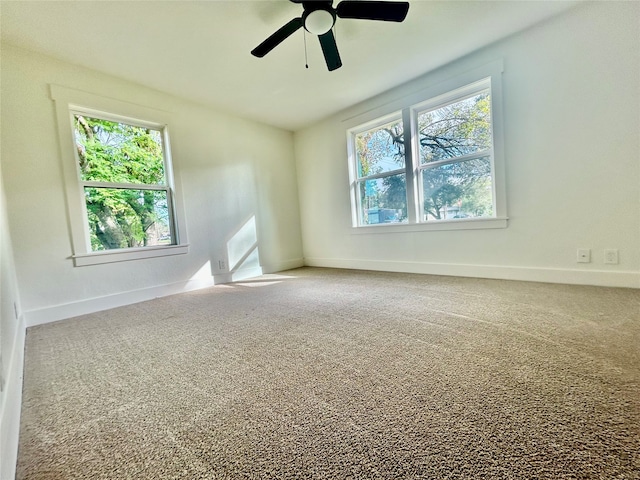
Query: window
432, 164
381, 179
121, 196
123, 173
454, 172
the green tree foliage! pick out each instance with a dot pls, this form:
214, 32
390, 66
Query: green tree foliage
114, 152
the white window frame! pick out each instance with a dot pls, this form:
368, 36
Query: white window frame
446, 92
357, 181
449, 98
69, 102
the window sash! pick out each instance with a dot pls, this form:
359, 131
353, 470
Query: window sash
422, 199
360, 184
162, 129
171, 222
375, 125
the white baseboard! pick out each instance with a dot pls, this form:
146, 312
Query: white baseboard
285, 265
531, 274
11, 406
237, 275
251, 272
91, 305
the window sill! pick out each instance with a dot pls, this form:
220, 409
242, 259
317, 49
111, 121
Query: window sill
112, 256
454, 224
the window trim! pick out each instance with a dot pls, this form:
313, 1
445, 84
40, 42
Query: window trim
68, 102
408, 106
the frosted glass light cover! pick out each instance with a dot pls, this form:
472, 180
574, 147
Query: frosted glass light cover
318, 22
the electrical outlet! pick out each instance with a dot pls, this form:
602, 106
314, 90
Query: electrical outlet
222, 265
611, 256
584, 255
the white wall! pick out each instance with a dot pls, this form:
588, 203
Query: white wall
233, 171
572, 142
12, 331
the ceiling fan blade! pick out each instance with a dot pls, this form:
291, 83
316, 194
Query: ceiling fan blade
373, 10
330, 50
277, 38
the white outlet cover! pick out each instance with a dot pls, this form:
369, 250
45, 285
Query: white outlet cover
584, 255
611, 256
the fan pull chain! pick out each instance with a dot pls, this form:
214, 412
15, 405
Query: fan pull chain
304, 35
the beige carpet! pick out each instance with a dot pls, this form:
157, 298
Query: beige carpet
330, 374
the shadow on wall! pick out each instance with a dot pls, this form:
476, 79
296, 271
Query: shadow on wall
241, 258
242, 247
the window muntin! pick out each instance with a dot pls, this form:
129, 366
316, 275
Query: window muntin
450, 165
122, 168
381, 189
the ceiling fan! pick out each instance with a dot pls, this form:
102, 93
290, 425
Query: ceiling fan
319, 18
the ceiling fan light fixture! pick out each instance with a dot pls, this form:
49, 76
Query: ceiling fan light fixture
319, 17
319, 22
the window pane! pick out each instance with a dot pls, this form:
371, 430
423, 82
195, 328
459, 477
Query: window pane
458, 190
383, 200
123, 218
117, 152
380, 150
457, 129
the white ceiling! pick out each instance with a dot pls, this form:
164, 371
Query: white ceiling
199, 50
